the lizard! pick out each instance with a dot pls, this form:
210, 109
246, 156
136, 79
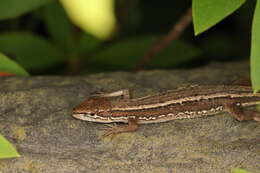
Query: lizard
182, 103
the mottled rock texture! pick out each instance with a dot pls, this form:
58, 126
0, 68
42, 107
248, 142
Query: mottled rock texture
35, 116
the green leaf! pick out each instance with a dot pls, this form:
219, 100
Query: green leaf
207, 13
30, 51
255, 49
126, 54
238, 170
14, 8
176, 53
59, 26
88, 43
123, 54
7, 65
6, 149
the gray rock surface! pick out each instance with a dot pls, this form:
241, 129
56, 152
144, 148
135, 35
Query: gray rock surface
35, 115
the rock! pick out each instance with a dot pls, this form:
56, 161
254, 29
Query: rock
35, 116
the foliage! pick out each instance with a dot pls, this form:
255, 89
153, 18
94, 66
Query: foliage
14, 8
238, 170
255, 49
38, 35
92, 16
6, 149
31, 51
132, 48
10, 66
208, 13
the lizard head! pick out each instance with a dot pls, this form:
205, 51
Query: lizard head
93, 109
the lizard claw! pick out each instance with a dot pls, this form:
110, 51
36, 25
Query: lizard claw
110, 131
107, 127
113, 130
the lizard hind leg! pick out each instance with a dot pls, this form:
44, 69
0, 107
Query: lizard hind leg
256, 116
238, 113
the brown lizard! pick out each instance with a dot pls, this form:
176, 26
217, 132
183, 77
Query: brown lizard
190, 102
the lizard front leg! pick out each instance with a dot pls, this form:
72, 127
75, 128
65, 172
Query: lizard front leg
113, 130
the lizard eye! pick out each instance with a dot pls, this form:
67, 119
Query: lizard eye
92, 114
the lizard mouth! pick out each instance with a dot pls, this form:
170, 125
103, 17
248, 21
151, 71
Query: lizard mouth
91, 117
83, 115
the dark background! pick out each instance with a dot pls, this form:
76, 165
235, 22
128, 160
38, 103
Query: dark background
141, 23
